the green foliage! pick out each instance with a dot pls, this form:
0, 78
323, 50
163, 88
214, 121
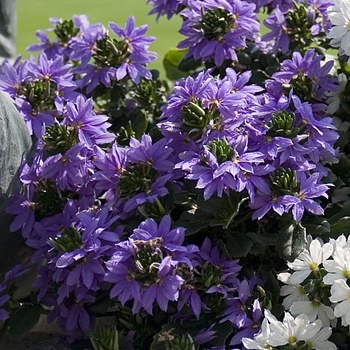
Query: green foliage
237, 244
105, 338
171, 64
291, 241
23, 319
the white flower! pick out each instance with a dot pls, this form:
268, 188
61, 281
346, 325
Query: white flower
339, 15
339, 267
334, 98
320, 342
291, 330
260, 340
314, 309
309, 260
341, 241
340, 292
292, 292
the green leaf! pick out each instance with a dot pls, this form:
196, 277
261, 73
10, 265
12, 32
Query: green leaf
237, 244
342, 168
277, 310
291, 241
244, 58
223, 331
171, 64
265, 239
258, 77
224, 209
139, 123
338, 213
194, 221
317, 226
189, 64
23, 320
342, 226
272, 286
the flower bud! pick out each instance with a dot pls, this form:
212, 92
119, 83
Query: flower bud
105, 338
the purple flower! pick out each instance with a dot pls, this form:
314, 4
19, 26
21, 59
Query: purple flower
3, 299
53, 70
109, 165
72, 316
23, 207
84, 46
57, 48
164, 290
216, 28
71, 170
92, 128
305, 75
235, 311
139, 56
276, 22
166, 7
265, 200
190, 297
92, 75
133, 36
36, 122
251, 325
310, 188
125, 287
51, 49
204, 336
135, 175
94, 230
144, 268
218, 176
220, 271
156, 154
13, 78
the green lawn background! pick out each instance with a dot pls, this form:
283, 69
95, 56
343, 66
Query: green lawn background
35, 14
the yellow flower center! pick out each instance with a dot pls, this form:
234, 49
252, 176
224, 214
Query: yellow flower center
292, 339
346, 273
313, 266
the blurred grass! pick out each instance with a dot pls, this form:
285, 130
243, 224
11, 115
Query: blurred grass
35, 14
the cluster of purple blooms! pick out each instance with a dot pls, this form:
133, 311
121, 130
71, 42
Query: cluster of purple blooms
242, 139
86, 208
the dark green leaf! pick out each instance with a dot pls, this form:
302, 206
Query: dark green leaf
244, 58
272, 286
223, 331
342, 226
194, 221
277, 310
317, 226
189, 64
342, 168
224, 209
291, 241
23, 320
237, 244
258, 77
265, 239
139, 124
311, 286
171, 64
339, 213
83, 344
